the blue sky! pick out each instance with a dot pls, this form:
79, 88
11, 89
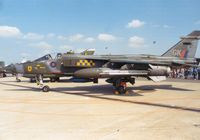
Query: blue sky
31, 28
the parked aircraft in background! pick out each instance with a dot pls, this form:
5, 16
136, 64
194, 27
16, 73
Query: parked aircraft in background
2, 72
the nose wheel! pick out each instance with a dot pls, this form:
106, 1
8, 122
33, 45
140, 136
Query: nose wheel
39, 80
122, 89
45, 88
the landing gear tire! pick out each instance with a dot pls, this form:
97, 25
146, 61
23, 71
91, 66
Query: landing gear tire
18, 80
45, 88
121, 90
39, 80
120, 87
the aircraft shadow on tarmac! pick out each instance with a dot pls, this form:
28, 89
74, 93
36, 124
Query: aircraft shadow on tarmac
154, 87
103, 89
108, 90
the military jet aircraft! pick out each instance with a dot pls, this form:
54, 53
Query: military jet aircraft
13, 69
117, 69
16, 70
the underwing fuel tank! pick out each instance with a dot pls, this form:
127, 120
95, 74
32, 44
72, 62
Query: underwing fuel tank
159, 71
90, 72
110, 73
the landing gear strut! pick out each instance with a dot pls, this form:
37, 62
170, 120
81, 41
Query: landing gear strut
39, 80
17, 78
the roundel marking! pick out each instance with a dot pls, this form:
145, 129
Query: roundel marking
29, 68
53, 64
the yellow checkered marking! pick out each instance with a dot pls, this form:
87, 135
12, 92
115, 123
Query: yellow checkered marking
87, 63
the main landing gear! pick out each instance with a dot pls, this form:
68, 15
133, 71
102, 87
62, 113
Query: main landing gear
120, 85
39, 80
121, 89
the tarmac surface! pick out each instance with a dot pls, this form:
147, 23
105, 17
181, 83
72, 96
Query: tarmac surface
73, 111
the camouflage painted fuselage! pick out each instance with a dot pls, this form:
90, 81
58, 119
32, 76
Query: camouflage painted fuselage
68, 64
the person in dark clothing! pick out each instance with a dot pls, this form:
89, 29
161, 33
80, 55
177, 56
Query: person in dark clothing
194, 73
186, 73
198, 71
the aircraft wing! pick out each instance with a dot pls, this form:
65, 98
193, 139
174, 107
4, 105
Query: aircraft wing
153, 62
125, 61
107, 72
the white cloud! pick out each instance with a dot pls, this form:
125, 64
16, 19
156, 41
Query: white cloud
136, 42
76, 37
42, 45
33, 36
106, 37
167, 26
60, 37
65, 47
50, 35
9, 31
135, 23
89, 39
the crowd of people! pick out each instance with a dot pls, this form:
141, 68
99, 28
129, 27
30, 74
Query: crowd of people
183, 73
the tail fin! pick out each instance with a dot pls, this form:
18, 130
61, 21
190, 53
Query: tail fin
186, 48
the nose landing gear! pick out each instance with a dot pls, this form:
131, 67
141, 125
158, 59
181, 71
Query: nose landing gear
39, 80
17, 78
45, 88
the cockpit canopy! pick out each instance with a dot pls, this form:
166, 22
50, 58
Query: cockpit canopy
44, 58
